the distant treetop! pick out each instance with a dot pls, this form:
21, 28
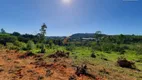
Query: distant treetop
3, 31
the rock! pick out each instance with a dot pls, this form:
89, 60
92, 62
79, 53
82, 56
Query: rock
40, 78
81, 70
1, 69
125, 63
29, 71
48, 73
11, 71
72, 77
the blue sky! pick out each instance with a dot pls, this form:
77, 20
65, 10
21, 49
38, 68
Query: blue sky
79, 16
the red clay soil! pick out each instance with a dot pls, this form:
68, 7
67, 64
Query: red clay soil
35, 68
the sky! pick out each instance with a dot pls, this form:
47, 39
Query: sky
64, 18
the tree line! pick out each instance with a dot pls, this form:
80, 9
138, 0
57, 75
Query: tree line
102, 42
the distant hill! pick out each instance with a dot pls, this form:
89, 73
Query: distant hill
82, 35
55, 37
74, 36
77, 36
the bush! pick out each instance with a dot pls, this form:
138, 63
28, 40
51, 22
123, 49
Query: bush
139, 59
38, 45
20, 45
107, 47
119, 48
4, 38
94, 46
11, 46
70, 47
43, 50
138, 49
30, 45
93, 55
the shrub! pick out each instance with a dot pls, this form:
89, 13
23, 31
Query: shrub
93, 55
139, 59
10, 46
4, 38
138, 50
20, 45
43, 50
30, 45
107, 47
70, 47
38, 45
119, 48
94, 46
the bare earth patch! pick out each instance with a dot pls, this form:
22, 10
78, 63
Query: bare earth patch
18, 66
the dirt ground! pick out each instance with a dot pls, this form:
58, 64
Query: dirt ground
15, 66
12, 67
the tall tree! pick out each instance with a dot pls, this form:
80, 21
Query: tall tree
42, 37
43, 33
98, 35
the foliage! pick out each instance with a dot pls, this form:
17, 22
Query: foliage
43, 32
107, 47
16, 34
4, 38
10, 46
98, 35
30, 45
43, 50
50, 43
139, 50
21, 45
95, 47
70, 47
42, 37
26, 37
38, 45
3, 31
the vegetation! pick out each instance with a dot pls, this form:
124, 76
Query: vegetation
30, 45
42, 37
94, 48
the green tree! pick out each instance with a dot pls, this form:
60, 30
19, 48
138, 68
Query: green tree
42, 37
43, 33
3, 31
98, 36
16, 34
4, 38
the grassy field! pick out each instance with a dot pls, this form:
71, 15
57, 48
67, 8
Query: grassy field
105, 64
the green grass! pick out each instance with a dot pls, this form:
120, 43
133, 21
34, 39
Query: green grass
83, 55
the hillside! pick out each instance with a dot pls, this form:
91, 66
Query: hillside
17, 65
